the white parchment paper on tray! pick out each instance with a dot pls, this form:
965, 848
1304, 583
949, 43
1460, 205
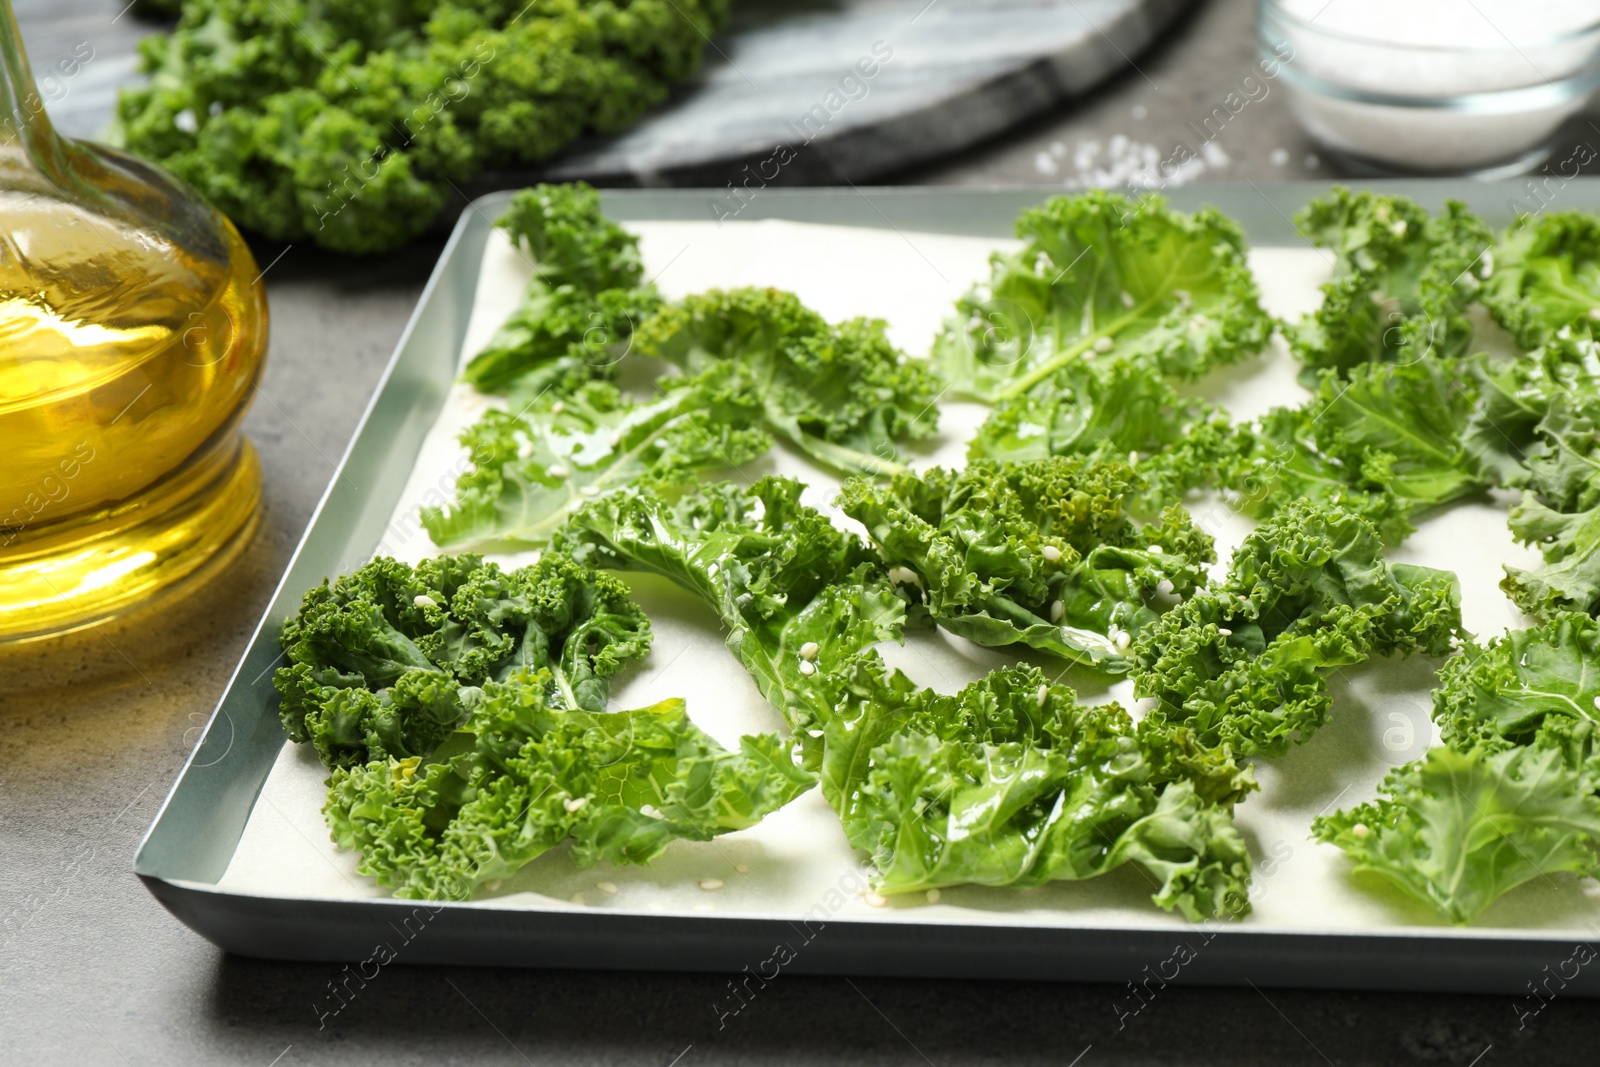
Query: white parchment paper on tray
797, 861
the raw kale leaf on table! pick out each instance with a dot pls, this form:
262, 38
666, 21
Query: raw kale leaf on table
346, 123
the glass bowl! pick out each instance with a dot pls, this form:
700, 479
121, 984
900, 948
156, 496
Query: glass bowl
1414, 87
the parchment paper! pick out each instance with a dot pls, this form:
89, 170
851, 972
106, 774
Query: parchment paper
797, 860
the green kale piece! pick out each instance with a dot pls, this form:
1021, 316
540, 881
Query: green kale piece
1012, 782
1238, 668
842, 395
1113, 410
1385, 442
797, 594
522, 775
1456, 830
532, 469
1523, 684
583, 303
1546, 276
1043, 553
1402, 280
347, 123
386, 660
1100, 273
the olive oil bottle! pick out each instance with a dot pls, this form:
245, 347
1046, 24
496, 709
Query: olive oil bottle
132, 329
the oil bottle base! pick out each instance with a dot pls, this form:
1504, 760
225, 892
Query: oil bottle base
65, 576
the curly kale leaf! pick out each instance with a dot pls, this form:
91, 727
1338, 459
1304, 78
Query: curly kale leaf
1384, 442
842, 395
1456, 830
1402, 281
584, 301
385, 661
1538, 428
1508, 691
1042, 553
1240, 666
344, 123
1113, 410
797, 594
522, 775
532, 469
1012, 782
1546, 275
1100, 273
1570, 544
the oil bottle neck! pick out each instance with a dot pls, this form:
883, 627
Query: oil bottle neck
28, 141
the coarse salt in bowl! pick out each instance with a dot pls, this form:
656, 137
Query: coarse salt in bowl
1435, 86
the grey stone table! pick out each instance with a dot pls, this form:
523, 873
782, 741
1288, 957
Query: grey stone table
93, 971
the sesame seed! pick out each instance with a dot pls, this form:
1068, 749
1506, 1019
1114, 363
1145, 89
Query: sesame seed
560, 470
813, 733
1224, 631
492, 885
1156, 550
590, 490
1057, 610
1597, 703
1164, 587
1123, 640
606, 887
1103, 344
933, 896
423, 600
711, 885
1051, 553
1043, 694
650, 811
558, 407
1594, 313
807, 668
809, 650
741, 868
877, 900
574, 804
1360, 829
577, 898
1127, 299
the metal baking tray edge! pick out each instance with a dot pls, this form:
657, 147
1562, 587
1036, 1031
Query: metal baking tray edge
192, 838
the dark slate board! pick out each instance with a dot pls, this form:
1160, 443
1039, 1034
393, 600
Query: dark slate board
949, 73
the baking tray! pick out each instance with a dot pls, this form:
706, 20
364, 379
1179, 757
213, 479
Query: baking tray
189, 845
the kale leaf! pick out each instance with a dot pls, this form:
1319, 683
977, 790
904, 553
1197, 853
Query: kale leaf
1402, 281
1113, 410
1043, 553
577, 317
1456, 830
1239, 667
797, 594
1546, 275
530, 470
842, 395
385, 661
1012, 782
1100, 273
522, 775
